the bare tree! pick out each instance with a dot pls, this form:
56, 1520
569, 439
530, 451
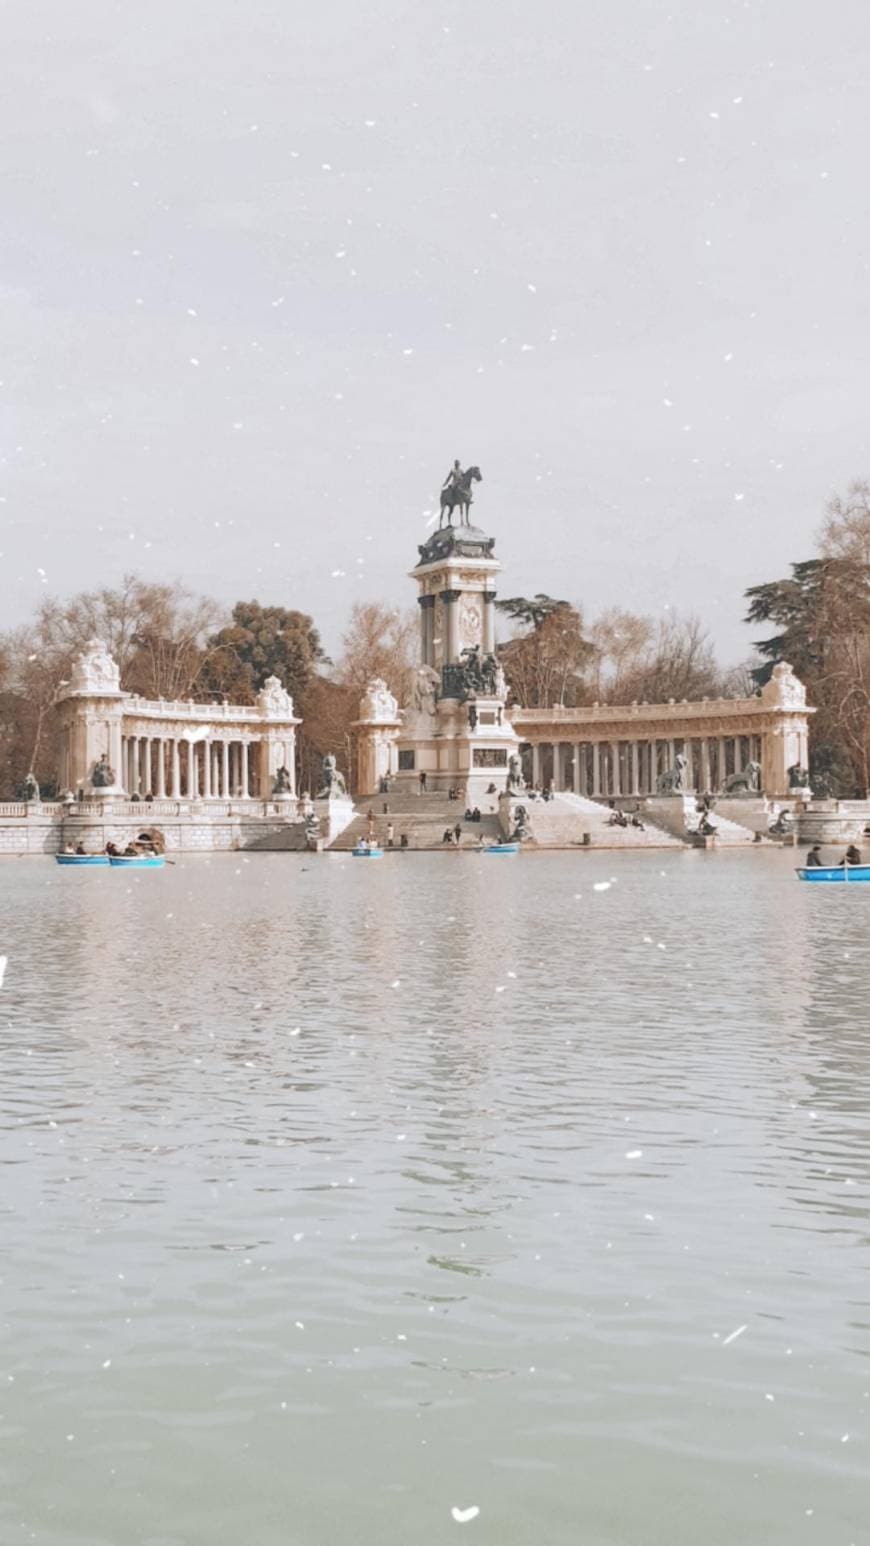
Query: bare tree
845, 532
378, 641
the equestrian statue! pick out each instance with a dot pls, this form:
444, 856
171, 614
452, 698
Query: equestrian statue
456, 490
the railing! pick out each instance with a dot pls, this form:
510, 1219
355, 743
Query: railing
146, 810
613, 713
30, 807
185, 708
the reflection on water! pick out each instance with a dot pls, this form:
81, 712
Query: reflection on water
335, 1196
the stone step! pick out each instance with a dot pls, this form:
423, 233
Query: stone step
563, 821
423, 829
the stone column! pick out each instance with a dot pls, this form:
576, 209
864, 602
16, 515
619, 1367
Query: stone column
635, 768
450, 599
161, 769
134, 765
536, 763
576, 779
225, 769
489, 622
206, 770
147, 781
191, 791
672, 753
555, 780
427, 631
705, 765
653, 771
176, 770
244, 756
617, 780
596, 769
738, 754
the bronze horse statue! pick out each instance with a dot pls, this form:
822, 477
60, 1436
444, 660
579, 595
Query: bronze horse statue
459, 493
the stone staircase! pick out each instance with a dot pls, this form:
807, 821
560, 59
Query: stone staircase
677, 814
422, 817
562, 822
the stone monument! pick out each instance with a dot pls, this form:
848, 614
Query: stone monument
456, 730
333, 807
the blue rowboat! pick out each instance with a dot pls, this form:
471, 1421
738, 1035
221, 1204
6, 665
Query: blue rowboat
137, 861
501, 848
81, 858
364, 851
849, 873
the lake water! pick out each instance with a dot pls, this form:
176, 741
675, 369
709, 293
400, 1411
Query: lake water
335, 1196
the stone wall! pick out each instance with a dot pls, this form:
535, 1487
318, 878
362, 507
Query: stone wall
46, 829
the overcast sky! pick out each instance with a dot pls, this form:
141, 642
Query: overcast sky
267, 267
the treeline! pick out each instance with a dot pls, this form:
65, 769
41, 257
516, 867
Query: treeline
172, 644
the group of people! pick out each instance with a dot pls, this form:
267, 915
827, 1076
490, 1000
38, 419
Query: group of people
815, 860
112, 849
618, 818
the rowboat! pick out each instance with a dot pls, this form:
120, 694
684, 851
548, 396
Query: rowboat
367, 851
834, 872
81, 858
137, 861
501, 848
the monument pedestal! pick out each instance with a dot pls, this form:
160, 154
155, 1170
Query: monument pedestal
333, 813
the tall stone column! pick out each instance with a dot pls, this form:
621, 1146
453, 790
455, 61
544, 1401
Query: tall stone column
244, 758
596, 769
134, 765
635, 768
489, 622
555, 779
427, 620
536, 763
576, 779
147, 775
161, 769
176, 770
225, 769
672, 753
206, 770
451, 614
705, 765
616, 788
738, 754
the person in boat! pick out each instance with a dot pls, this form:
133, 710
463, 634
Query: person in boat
80, 848
814, 858
112, 849
131, 852
852, 855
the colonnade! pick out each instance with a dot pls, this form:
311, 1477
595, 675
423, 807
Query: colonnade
177, 768
608, 769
